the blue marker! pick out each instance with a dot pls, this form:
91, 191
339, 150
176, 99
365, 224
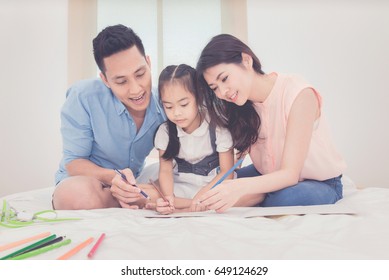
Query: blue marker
228, 173
125, 180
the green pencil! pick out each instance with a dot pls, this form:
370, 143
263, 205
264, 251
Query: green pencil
29, 247
3, 211
42, 250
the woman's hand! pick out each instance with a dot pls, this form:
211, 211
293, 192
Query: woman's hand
223, 196
195, 205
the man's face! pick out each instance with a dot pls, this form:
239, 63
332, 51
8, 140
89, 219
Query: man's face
128, 75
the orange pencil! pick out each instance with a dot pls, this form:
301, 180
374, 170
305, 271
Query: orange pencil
96, 246
76, 249
23, 241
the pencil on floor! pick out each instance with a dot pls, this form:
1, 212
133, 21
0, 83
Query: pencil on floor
29, 247
96, 246
50, 242
42, 250
76, 249
23, 241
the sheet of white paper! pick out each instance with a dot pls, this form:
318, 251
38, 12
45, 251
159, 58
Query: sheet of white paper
249, 212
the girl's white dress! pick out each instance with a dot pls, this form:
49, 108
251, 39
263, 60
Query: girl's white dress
193, 148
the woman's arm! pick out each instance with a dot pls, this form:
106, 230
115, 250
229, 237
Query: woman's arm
305, 110
226, 160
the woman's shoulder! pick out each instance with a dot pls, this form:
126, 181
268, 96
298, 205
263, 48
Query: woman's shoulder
292, 80
290, 85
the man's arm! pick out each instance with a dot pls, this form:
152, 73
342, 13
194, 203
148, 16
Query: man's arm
87, 168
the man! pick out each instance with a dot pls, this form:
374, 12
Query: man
108, 124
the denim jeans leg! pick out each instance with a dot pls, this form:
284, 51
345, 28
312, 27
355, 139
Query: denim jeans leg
247, 171
308, 192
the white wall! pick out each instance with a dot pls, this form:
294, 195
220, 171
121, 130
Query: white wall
141, 16
33, 84
342, 48
187, 28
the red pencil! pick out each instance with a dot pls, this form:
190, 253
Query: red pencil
96, 246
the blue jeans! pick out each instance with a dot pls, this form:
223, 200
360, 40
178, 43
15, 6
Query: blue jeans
307, 192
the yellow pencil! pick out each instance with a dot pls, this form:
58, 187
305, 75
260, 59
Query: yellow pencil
76, 249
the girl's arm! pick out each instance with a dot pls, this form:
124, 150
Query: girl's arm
166, 180
166, 184
305, 110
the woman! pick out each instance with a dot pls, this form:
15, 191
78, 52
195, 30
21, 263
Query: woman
278, 120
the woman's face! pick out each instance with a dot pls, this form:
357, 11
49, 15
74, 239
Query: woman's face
230, 82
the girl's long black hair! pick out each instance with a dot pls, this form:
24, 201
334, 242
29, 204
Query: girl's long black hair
185, 76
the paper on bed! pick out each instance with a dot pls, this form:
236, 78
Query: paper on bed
249, 212
43, 196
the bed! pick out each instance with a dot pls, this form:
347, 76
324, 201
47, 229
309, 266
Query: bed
354, 228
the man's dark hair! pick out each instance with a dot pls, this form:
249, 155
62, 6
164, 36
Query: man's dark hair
114, 39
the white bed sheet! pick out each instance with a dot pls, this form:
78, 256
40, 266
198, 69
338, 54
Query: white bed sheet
130, 235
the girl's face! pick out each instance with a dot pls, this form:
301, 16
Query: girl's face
180, 107
230, 82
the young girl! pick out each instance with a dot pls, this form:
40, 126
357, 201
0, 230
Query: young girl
278, 120
191, 149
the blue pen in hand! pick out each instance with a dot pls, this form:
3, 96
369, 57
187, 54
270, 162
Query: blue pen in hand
228, 173
125, 180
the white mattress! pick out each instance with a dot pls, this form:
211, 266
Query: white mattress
131, 234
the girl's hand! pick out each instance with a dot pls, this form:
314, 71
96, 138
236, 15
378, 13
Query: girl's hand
165, 207
222, 197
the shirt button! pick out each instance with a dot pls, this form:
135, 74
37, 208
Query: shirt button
132, 159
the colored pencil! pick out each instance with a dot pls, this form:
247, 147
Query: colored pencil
96, 246
50, 242
160, 193
42, 250
27, 248
23, 241
124, 178
76, 249
228, 173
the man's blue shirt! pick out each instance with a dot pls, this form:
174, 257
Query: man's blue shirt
96, 126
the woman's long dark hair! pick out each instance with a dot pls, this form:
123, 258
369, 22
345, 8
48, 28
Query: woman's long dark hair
185, 76
242, 121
